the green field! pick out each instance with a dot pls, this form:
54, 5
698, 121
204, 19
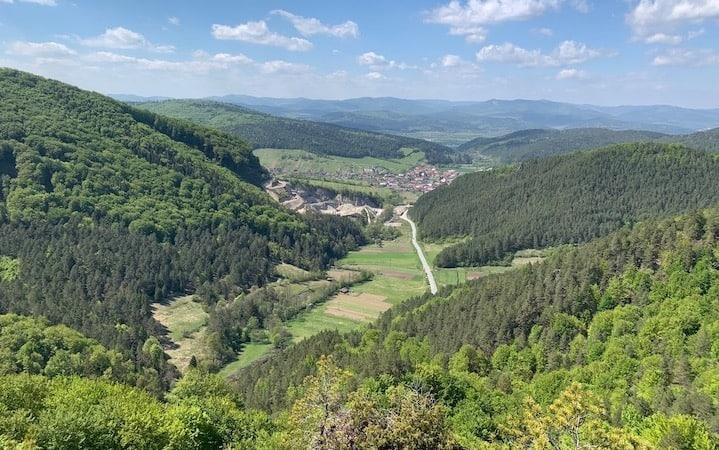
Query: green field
304, 163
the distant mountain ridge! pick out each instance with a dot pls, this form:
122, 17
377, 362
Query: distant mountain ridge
484, 118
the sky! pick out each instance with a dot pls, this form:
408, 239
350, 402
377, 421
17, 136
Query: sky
606, 52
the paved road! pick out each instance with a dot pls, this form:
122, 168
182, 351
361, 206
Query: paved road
420, 253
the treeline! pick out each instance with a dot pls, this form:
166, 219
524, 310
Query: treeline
620, 332
260, 316
565, 199
267, 131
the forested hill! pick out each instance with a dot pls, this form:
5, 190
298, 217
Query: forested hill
564, 199
106, 209
539, 143
267, 131
609, 345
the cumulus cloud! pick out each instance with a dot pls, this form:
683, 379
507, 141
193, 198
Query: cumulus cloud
375, 76
120, 38
571, 74
687, 57
568, 52
309, 26
650, 18
662, 38
39, 49
202, 63
451, 61
259, 33
471, 18
377, 62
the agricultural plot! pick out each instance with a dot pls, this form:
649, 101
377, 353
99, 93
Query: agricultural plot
302, 162
186, 321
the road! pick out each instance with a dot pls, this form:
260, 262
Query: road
420, 253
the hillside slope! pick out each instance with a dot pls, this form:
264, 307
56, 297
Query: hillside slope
267, 131
565, 199
619, 334
540, 143
106, 209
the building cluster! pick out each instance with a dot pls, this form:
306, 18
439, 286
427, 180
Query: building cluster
422, 178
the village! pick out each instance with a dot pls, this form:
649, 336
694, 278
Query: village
420, 179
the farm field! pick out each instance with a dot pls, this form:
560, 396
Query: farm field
302, 162
397, 276
185, 321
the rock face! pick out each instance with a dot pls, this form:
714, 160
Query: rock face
303, 199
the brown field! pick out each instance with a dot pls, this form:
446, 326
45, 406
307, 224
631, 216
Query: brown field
357, 306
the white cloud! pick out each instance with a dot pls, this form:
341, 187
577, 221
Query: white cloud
36, 2
258, 33
451, 61
279, 66
662, 38
39, 49
371, 59
173, 21
233, 59
652, 17
309, 26
470, 18
120, 38
568, 52
571, 74
377, 62
687, 57
544, 31
375, 76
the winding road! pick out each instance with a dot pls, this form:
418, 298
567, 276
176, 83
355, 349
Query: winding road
420, 253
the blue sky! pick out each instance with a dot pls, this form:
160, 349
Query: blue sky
582, 51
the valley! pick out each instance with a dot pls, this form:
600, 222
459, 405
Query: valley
203, 270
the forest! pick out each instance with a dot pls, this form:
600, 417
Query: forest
267, 131
541, 143
611, 344
565, 199
105, 210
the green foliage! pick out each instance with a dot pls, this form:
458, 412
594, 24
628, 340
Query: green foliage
609, 345
541, 143
31, 345
566, 199
75, 413
266, 131
9, 268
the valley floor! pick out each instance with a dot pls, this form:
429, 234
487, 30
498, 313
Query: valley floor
398, 275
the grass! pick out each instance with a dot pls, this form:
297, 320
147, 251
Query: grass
186, 321
398, 275
302, 162
250, 353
